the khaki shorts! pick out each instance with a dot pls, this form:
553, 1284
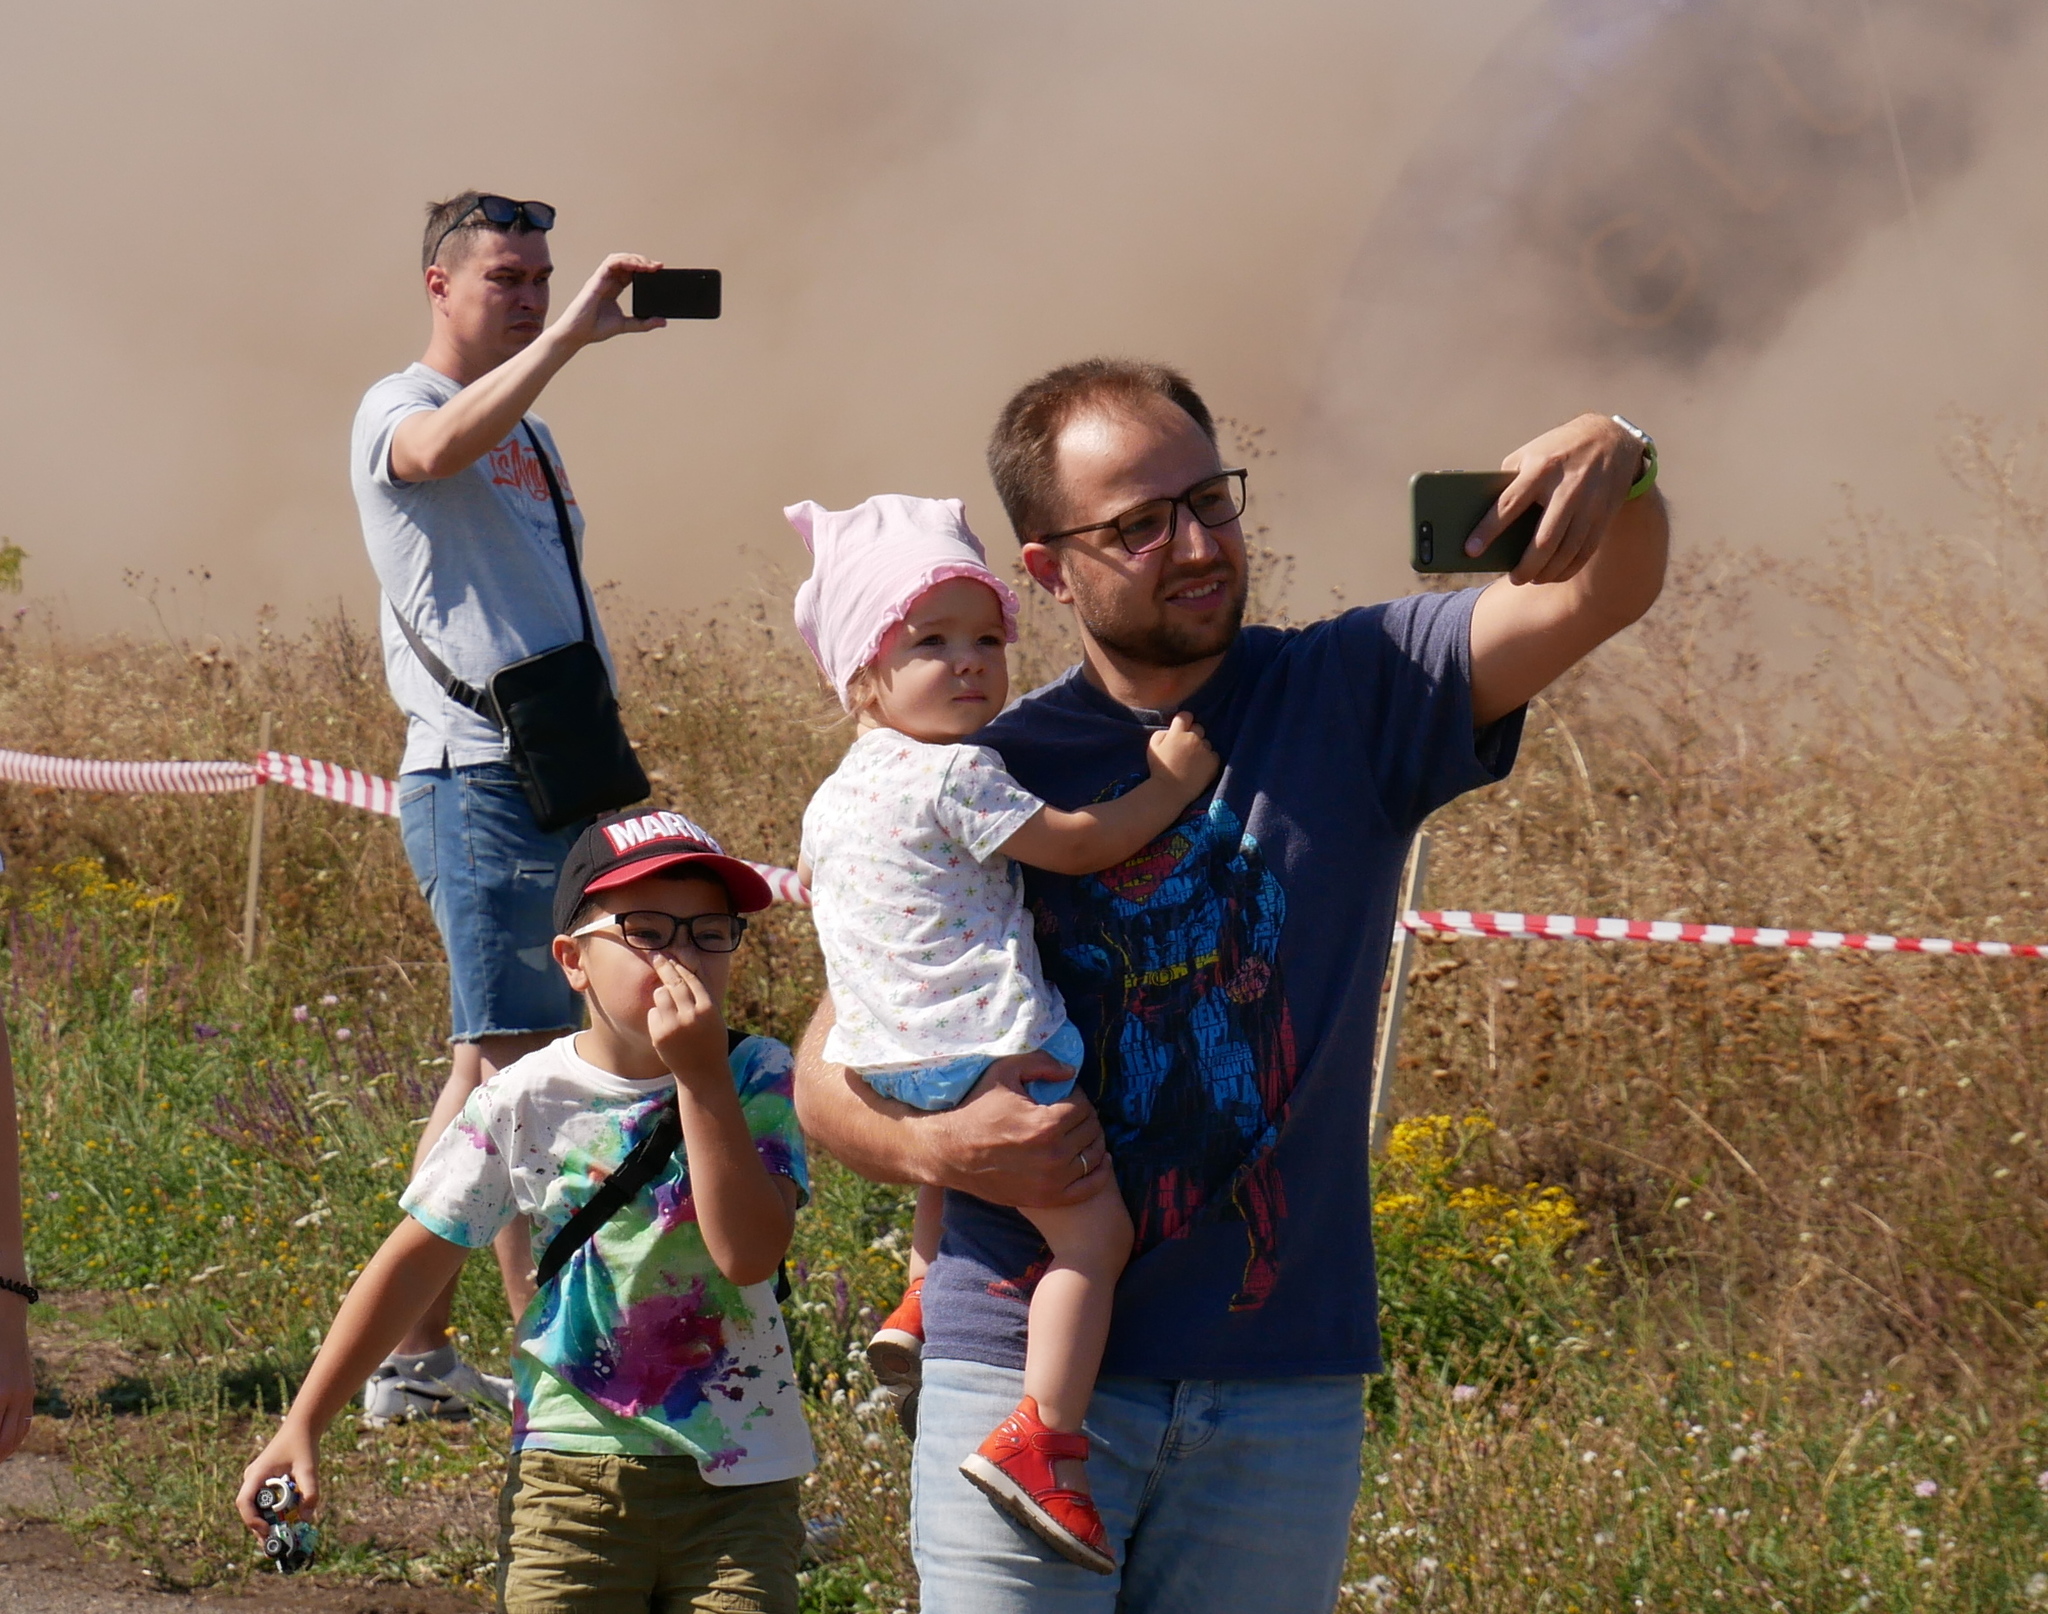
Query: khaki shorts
584, 1534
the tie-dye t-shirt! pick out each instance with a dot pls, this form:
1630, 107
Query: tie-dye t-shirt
639, 1346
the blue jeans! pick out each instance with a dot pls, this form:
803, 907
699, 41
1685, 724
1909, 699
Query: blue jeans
488, 871
1227, 1494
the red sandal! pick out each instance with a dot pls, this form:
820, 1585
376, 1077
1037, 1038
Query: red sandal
1013, 1468
897, 1350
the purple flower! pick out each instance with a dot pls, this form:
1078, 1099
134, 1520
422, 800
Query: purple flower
343, 1034
203, 1032
1465, 1392
328, 1000
2041, 1482
1926, 1488
302, 1014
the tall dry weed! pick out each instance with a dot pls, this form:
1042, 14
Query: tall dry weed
1833, 1157
1837, 1155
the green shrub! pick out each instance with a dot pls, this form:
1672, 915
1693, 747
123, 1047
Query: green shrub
1470, 1275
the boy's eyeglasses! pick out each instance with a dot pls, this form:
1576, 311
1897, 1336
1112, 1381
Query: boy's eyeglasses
501, 212
656, 932
1213, 501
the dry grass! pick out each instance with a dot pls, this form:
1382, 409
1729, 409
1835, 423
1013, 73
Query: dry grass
1823, 1171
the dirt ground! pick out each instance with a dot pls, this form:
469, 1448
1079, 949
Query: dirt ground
43, 1569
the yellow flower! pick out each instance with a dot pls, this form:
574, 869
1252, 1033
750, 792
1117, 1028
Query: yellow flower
1423, 1152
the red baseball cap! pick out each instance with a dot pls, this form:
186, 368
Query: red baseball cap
627, 846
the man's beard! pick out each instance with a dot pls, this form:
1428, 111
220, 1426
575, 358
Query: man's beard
1163, 643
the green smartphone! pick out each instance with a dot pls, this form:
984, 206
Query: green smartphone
1444, 507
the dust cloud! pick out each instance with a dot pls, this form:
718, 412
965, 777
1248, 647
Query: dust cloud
1362, 226
1792, 236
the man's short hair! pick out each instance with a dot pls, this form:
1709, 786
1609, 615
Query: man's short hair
449, 246
1023, 450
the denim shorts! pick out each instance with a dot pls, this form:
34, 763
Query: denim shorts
945, 1082
488, 871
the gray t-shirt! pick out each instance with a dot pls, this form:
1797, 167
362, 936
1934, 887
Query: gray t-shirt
473, 561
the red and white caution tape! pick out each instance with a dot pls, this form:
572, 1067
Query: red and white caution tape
368, 792
783, 882
324, 779
126, 778
1575, 927
330, 782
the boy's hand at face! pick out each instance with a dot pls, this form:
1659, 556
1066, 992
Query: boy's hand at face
1181, 755
685, 1025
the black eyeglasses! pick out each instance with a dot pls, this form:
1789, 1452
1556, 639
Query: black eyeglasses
651, 931
1214, 501
502, 213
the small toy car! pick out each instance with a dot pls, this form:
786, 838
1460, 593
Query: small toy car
290, 1541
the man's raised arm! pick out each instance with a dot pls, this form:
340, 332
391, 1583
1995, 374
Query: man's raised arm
1595, 566
434, 444
998, 1145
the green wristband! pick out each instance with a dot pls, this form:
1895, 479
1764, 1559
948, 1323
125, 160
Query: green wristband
1648, 479
1648, 444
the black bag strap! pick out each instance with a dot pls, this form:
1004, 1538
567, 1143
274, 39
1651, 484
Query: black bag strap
460, 690
646, 1162
547, 469
462, 693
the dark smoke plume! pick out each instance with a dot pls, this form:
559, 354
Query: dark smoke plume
1642, 190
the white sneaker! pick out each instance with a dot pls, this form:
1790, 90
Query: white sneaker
437, 1384
475, 1385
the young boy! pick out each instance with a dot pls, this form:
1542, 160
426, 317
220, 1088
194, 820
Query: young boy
658, 1432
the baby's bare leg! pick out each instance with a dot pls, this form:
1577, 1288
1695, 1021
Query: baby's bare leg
926, 1225
1090, 1243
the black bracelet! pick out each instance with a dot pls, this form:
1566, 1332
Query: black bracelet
27, 1291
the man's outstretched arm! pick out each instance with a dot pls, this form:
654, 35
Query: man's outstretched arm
999, 1145
1596, 565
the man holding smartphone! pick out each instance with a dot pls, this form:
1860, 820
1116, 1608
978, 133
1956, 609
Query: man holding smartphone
469, 550
1226, 981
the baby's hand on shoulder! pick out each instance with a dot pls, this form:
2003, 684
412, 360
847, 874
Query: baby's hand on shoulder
1180, 753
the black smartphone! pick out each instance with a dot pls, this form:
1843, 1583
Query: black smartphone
677, 294
1444, 507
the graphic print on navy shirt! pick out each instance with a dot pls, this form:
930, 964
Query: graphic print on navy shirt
1178, 949
1226, 983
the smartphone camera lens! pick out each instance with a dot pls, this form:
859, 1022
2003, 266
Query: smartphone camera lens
1425, 542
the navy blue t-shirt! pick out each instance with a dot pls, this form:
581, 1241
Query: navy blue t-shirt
1227, 980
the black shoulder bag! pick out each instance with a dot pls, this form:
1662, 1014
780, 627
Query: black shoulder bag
635, 1172
557, 709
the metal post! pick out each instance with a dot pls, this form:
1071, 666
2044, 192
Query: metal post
1397, 991
255, 855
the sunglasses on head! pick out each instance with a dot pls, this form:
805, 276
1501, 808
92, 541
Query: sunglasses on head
500, 212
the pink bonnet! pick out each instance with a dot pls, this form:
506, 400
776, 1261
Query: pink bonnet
870, 564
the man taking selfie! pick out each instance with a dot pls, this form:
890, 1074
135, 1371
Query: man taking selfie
1226, 982
475, 539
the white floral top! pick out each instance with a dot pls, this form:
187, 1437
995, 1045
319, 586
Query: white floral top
928, 947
